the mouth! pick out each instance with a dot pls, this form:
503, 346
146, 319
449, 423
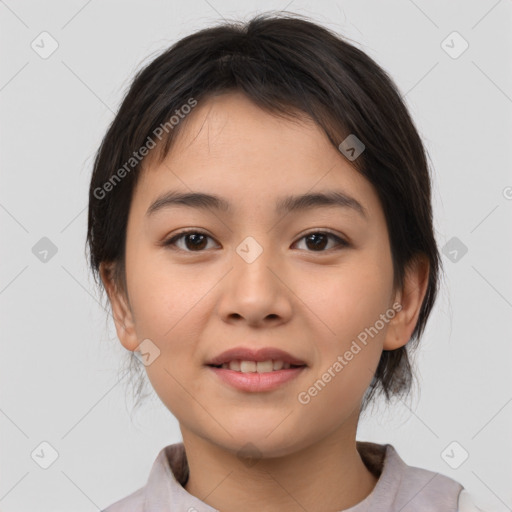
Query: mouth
248, 366
256, 370
261, 360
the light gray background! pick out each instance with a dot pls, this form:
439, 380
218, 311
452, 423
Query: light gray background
59, 364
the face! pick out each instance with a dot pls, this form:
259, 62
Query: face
309, 281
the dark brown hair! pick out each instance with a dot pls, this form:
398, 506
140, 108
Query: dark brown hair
291, 67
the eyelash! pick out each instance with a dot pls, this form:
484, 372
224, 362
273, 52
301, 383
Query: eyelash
171, 241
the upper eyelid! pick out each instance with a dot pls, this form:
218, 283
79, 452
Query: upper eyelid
174, 238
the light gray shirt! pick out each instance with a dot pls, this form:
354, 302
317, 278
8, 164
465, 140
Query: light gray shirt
399, 487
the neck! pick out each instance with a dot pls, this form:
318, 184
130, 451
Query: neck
328, 476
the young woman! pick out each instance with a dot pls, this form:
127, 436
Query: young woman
260, 217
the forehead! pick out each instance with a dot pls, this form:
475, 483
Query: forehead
230, 147
232, 126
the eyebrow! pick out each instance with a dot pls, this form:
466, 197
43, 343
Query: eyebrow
200, 200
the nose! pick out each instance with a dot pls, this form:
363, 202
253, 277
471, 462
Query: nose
255, 291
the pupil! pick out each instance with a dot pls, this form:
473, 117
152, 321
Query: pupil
316, 244
195, 236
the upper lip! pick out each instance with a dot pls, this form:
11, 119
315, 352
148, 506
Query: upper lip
260, 354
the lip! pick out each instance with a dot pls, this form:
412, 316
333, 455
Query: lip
257, 382
254, 381
258, 355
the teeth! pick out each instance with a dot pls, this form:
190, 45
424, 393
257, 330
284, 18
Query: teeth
256, 367
248, 366
233, 365
278, 365
264, 366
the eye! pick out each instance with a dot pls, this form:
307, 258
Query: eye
194, 240
319, 239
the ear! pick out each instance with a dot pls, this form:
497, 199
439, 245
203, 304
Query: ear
410, 298
121, 311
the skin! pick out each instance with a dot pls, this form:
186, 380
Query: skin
310, 302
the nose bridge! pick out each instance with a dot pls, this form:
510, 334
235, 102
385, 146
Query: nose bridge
251, 262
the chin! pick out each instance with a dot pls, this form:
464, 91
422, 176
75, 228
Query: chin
258, 441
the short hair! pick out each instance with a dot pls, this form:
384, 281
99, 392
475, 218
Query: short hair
291, 67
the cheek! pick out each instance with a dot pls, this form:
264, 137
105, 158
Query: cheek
350, 303
354, 308
335, 389
165, 297
168, 308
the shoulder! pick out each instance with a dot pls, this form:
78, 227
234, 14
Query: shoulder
131, 503
422, 489
419, 489
467, 504
163, 485
409, 488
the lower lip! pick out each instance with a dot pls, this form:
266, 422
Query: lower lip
256, 382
